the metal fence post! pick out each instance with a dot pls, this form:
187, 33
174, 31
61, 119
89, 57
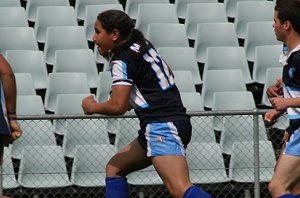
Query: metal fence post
256, 154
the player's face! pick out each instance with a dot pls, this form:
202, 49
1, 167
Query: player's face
103, 40
278, 28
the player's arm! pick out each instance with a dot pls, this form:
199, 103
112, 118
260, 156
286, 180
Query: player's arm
117, 105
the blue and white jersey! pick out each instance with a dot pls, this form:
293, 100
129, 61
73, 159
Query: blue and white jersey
154, 95
291, 87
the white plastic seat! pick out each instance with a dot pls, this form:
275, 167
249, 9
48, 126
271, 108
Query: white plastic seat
131, 6
146, 176
154, 13
231, 6
249, 11
64, 83
203, 13
184, 81
24, 84
17, 38
213, 35
167, 35
181, 58
258, 34
272, 75
266, 56
221, 80
43, 167
29, 61
219, 58
32, 6
30, 105
77, 60
10, 3
89, 165
91, 13
50, 16
13, 17
206, 163
104, 86
202, 129
8, 175
192, 101
80, 6
62, 38
241, 166
181, 6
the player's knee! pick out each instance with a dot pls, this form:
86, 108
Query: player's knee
275, 185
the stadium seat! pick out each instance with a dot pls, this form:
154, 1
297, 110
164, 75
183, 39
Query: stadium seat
24, 84
146, 176
91, 13
181, 58
50, 16
29, 61
266, 56
203, 13
131, 6
258, 34
154, 13
77, 60
231, 6
206, 164
192, 101
17, 38
221, 80
43, 167
282, 122
98, 57
227, 58
13, 17
213, 35
30, 105
61, 38
184, 81
202, 129
104, 86
167, 35
272, 75
89, 165
241, 166
8, 175
80, 6
64, 83
181, 6
32, 6
250, 11
10, 3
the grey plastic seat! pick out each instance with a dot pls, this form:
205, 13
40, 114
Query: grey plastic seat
249, 11
91, 14
104, 86
29, 61
10, 3
43, 167
13, 17
206, 163
8, 178
131, 6
50, 16
80, 6
62, 38
272, 75
17, 38
181, 6
266, 56
154, 13
64, 83
231, 6
221, 80
203, 13
30, 105
241, 166
219, 58
89, 165
24, 84
258, 34
213, 35
32, 6
181, 58
167, 35
192, 101
77, 60
184, 81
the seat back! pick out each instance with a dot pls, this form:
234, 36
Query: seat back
24, 84
13, 17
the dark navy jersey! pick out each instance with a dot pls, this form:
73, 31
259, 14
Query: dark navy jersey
154, 96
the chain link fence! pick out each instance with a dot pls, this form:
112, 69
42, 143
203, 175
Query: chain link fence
65, 156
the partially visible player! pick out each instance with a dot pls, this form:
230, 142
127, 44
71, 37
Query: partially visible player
143, 81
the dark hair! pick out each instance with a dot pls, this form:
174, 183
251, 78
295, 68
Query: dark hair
119, 20
289, 10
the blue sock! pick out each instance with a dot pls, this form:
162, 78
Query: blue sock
297, 196
195, 192
287, 196
116, 187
